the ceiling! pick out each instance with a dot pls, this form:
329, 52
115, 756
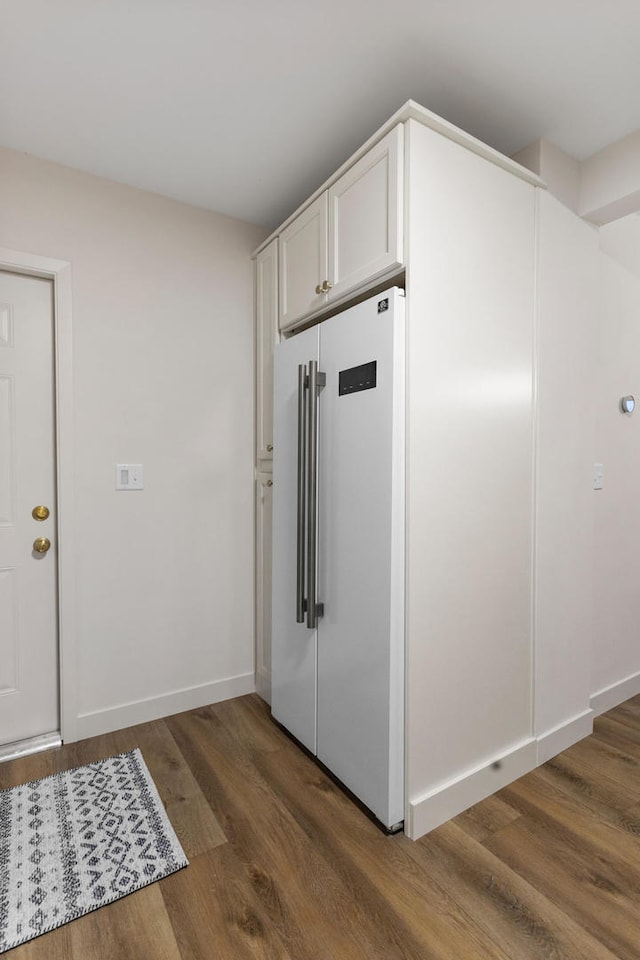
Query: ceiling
246, 107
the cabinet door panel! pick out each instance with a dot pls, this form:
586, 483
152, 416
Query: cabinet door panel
264, 499
365, 216
266, 339
303, 262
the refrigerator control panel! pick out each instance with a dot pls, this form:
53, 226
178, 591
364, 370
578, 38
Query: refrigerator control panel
357, 378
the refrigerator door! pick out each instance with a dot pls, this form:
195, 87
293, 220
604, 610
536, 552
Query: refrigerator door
361, 553
294, 646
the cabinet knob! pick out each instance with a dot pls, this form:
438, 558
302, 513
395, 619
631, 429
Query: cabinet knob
319, 288
269, 448
269, 483
326, 286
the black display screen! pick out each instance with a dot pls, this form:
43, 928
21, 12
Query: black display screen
357, 378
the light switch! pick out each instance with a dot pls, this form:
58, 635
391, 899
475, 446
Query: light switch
129, 476
598, 476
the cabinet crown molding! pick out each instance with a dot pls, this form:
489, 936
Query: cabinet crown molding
412, 110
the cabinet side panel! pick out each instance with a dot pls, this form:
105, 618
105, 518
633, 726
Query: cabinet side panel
266, 339
470, 300
568, 304
264, 512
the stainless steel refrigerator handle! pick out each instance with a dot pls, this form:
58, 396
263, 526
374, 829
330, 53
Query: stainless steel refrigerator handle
312, 491
316, 382
302, 373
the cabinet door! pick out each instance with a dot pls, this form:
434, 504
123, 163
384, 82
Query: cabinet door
266, 339
264, 499
365, 216
303, 262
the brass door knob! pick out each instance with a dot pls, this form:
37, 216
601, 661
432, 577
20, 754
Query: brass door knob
41, 544
40, 513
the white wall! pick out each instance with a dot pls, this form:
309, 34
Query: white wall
163, 375
610, 181
560, 171
607, 186
620, 241
616, 668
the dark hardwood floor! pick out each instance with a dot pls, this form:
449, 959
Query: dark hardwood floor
284, 866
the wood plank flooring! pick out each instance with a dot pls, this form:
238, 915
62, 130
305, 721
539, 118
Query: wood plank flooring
284, 867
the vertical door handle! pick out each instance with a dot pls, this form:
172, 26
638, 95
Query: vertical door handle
316, 382
312, 491
300, 522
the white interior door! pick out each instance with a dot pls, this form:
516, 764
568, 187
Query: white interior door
29, 686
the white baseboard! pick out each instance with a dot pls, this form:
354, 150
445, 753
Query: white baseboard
451, 798
608, 697
564, 735
141, 711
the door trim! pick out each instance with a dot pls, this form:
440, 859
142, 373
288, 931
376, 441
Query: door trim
59, 271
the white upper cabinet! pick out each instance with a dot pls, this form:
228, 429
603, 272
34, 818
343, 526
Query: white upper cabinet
303, 262
351, 234
266, 339
365, 217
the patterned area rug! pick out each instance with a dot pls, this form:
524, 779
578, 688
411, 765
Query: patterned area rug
75, 841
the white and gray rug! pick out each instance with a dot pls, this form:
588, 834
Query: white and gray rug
75, 841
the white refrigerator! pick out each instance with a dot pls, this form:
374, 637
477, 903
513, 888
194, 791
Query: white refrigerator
338, 548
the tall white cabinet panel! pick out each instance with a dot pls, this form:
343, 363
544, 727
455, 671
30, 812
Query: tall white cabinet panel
470, 299
266, 339
568, 307
263, 513
365, 216
303, 262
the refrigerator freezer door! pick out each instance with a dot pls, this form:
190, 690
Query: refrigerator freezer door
361, 553
294, 646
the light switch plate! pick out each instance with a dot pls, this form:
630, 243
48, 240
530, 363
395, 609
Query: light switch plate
598, 476
129, 476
